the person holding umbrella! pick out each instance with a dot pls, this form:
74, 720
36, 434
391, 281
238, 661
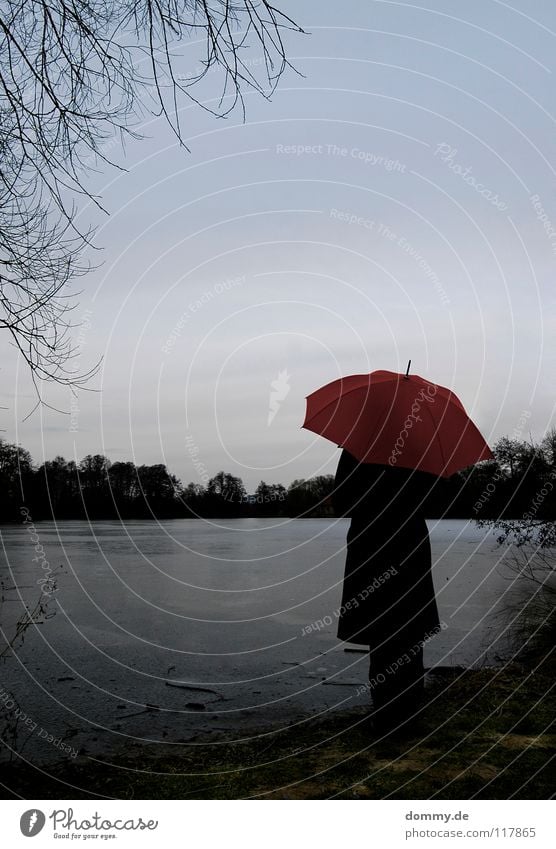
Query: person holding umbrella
388, 598
400, 435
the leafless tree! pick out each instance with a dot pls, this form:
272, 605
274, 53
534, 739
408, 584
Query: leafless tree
530, 556
74, 76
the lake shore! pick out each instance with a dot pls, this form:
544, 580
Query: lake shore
166, 641
486, 734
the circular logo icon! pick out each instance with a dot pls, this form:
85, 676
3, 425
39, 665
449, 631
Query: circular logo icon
32, 822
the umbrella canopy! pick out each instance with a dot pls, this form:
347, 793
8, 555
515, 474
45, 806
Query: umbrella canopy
397, 420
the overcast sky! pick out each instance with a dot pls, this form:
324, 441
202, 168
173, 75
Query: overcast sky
395, 201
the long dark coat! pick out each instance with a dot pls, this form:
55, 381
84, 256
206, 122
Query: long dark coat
388, 593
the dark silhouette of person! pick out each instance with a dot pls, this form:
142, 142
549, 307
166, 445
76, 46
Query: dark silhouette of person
388, 599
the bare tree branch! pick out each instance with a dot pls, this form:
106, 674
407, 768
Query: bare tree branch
74, 74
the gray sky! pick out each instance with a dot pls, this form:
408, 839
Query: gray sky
394, 202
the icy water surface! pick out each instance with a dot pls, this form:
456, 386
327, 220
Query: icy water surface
222, 606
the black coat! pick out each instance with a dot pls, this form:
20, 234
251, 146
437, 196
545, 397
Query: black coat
388, 591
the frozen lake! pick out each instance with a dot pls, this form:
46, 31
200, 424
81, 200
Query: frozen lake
223, 606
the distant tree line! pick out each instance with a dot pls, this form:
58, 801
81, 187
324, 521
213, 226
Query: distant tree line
519, 482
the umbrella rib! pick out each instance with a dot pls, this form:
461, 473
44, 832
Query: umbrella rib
437, 439
335, 400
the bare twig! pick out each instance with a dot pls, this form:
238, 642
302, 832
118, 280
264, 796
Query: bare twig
74, 76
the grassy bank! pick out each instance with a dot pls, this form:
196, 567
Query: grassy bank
484, 734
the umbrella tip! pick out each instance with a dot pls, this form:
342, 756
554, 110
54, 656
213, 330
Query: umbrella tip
407, 371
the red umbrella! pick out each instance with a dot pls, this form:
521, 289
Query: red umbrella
397, 420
